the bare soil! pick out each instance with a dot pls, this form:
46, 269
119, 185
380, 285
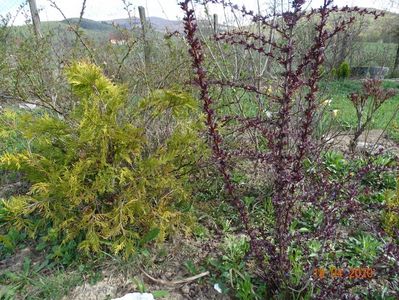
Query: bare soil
370, 141
170, 268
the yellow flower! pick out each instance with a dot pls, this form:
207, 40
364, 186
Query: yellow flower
335, 112
267, 90
326, 102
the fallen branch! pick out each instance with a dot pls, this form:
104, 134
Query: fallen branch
175, 282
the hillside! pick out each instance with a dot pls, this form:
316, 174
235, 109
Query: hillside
384, 29
90, 24
103, 29
157, 23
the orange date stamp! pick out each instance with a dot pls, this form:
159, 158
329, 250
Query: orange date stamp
351, 273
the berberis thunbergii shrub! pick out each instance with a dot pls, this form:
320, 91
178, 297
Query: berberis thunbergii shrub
104, 177
286, 149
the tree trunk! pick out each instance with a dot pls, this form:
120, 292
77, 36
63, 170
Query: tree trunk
395, 71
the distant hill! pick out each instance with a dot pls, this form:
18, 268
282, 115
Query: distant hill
105, 28
101, 30
90, 24
157, 23
384, 29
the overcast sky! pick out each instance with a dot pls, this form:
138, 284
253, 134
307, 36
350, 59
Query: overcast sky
113, 9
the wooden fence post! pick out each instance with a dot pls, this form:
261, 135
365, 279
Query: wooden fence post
215, 23
35, 17
143, 21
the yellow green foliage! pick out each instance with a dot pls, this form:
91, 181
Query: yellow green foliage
391, 216
110, 173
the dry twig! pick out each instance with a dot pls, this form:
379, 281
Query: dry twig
175, 282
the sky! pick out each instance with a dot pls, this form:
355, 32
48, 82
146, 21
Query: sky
114, 9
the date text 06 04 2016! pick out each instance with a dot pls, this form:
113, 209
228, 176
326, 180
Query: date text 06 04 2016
351, 273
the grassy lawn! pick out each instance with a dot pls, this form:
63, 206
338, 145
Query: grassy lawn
337, 91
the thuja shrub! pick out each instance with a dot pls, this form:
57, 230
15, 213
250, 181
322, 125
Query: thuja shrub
343, 71
391, 215
286, 151
104, 178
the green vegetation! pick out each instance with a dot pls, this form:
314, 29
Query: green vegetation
111, 175
338, 92
343, 71
90, 25
30, 280
127, 183
391, 216
370, 54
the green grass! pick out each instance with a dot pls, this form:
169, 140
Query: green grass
38, 286
337, 91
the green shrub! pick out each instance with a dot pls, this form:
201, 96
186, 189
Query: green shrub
110, 176
391, 215
343, 71
334, 72
362, 249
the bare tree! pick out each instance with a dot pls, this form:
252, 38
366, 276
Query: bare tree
396, 64
395, 6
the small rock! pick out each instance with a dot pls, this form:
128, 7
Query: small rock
185, 289
217, 288
136, 296
370, 148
